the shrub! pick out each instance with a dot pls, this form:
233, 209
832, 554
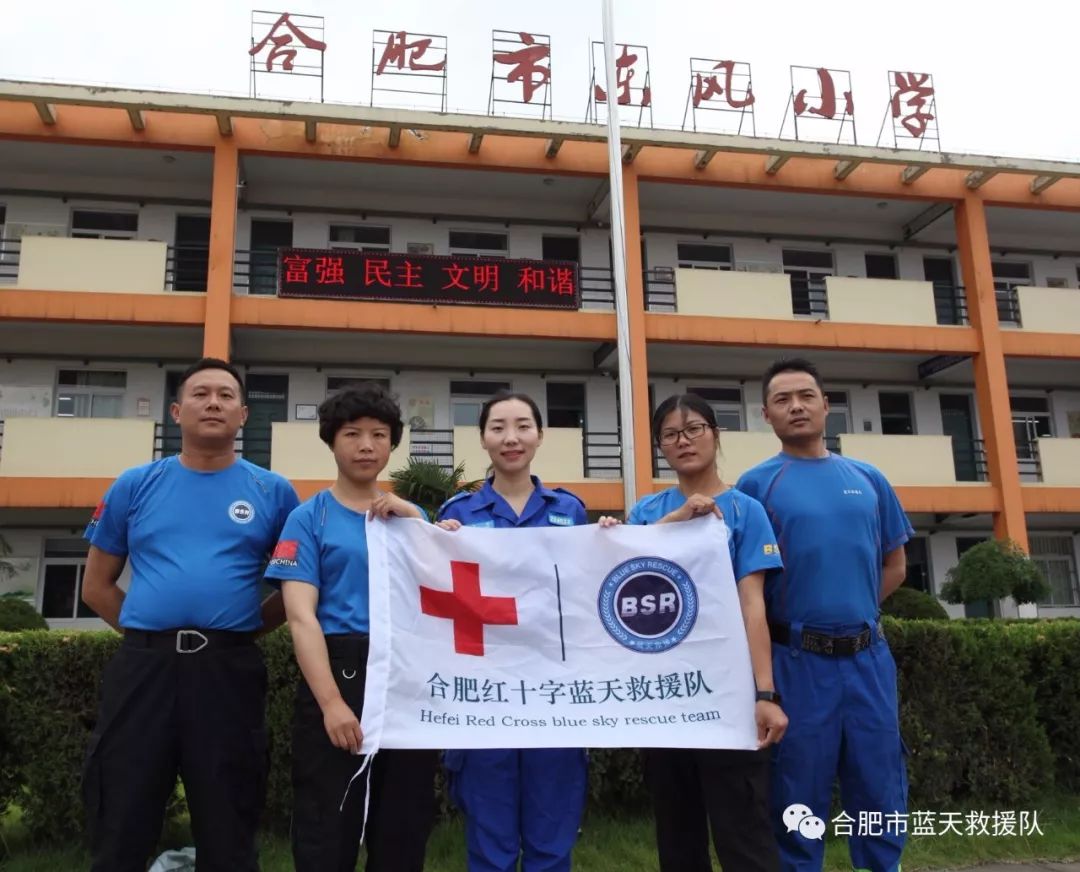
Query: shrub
17, 614
910, 603
992, 570
989, 711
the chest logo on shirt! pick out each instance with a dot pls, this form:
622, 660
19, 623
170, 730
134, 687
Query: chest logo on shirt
648, 604
481, 524
852, 492
560, 520
242, 512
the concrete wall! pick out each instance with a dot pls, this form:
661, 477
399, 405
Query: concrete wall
74, 447
123, 266
904, 460
880, 301
733, 294
1050, 310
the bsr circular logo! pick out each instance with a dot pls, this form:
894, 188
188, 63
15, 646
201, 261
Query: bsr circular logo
648, 604
242, 512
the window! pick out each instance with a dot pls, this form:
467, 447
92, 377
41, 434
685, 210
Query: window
361, 237
1010, 273
91, 224
1031, 420
838, 420
808, 270
1056, 557
90, 393
335, 383
478, 244
896, 417
881, 266
468, 397
696, 255
61, 580
566, 405
726, 403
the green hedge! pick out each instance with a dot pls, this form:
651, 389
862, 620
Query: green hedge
988, 708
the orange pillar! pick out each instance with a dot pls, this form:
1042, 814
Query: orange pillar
991, 381
219, 279
639, 364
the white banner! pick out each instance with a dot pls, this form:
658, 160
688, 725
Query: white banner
556, 637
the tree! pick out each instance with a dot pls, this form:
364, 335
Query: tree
429, 485
992, 570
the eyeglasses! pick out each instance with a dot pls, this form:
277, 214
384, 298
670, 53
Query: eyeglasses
691, 431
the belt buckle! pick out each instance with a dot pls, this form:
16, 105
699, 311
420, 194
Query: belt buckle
183, 634
822, 644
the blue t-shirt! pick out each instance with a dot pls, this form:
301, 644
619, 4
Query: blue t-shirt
197, 542
835, 519
325, 544
486, 508
752, 544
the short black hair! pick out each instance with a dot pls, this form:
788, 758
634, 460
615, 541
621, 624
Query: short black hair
210, 363
687, 403
360, 400
504, 395
788, 364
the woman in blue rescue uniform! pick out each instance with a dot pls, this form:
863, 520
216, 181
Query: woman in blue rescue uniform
725, 789
321, 562
523, 804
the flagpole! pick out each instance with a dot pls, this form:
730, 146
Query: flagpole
618, 259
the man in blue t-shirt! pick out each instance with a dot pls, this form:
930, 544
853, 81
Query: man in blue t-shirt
841, 532
186, 691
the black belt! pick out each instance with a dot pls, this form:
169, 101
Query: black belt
188, 641
823, 643
347, 646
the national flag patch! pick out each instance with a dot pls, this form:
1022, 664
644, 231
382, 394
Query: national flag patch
285, 553
98, 512
769, 548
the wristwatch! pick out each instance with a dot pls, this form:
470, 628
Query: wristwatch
767, 696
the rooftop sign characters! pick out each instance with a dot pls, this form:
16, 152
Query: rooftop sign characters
384, 276
410, 69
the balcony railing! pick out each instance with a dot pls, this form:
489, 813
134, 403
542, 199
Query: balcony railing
809, 297
1028, 459
9, 259
969, 458
253, 445
1008, 303
950, 304
603, 454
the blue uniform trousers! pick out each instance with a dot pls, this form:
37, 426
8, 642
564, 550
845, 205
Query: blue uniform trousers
843, 721
519, 803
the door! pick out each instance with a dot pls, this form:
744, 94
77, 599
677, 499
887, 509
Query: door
170, 430
266, 238
838, 421
982, 608
896, 417
561, 248
958, 422
947, 296
267, 401
191, 252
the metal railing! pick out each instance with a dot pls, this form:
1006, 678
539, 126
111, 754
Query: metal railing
602, 452
809, 297
969, 459
1028, 459
253, 446
950, 304
1008, 304
9, 258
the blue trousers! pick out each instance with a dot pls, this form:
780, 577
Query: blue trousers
523, 804
843, 721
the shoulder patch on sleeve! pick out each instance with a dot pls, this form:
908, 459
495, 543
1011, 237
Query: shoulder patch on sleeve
451, 501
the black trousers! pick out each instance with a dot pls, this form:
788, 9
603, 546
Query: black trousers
728, 791
201, 715
401, 811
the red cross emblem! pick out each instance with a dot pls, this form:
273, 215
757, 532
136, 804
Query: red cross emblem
469, 609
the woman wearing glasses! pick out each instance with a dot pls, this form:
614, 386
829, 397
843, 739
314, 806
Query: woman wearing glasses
725, 789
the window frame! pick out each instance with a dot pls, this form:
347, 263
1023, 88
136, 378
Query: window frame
91, 233
695, 263
346, 245
90, 391
463, 251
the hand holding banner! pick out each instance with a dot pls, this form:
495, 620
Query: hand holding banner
556, 637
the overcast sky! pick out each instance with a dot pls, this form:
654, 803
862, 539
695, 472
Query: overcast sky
1006, 73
